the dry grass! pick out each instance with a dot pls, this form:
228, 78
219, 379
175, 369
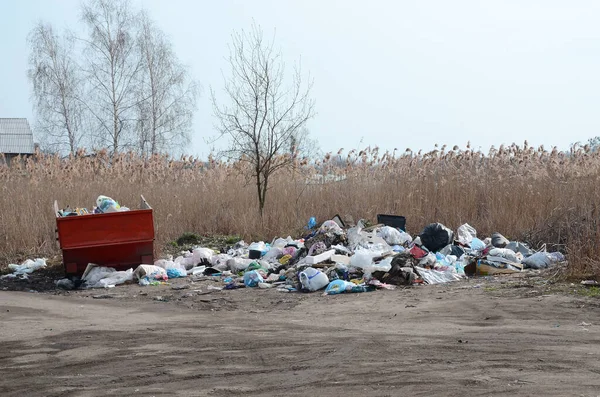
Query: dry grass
526, 193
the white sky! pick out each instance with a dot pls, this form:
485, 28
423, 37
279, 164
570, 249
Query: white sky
395, 74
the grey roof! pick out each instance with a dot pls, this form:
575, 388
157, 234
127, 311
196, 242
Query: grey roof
16, 136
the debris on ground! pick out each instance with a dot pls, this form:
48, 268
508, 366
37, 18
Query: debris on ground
333, 258
27, 267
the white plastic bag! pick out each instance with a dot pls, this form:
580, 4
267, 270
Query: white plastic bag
95, 273
200, 254
539, 260
331, 227
187, 262
393, 236
218, 260
313, 279
362, 258
281, 242
163, 263
383, 266
273, 254
438, 277
149, 271
237, 265
258, 246
466, 234
428, 260
505, 253
114, 278
175, 270
29, 266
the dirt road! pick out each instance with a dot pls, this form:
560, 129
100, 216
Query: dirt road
465, 339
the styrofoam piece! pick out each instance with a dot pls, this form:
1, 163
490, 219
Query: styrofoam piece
313, 260
343, 259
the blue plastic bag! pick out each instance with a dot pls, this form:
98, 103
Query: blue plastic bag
252, 278
338, 286
477, 244
175, 273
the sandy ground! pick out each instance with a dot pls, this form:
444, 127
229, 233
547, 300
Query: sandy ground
477, 337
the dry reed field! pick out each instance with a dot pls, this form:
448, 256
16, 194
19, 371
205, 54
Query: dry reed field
530, 194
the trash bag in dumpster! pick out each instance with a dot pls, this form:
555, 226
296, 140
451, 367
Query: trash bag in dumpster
106, 204
436, 236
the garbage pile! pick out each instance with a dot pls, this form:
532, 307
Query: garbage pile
336, 259
104, 205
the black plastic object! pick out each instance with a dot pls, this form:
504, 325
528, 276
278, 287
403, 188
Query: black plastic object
337, 219
456, 251
436, 236
396, 221
254, 254
499, 241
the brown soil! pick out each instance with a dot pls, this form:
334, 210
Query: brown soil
504, 336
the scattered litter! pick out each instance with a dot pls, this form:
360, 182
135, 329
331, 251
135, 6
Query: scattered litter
313, 279
105, 277
330, 257
104, 296
65, 284
27, 267
466, 233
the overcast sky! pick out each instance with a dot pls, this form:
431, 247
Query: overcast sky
395, 74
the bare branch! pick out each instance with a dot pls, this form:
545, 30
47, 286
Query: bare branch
265, 116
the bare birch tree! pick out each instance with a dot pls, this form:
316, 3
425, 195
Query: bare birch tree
265, 113
167, 94
57, 85
113, 65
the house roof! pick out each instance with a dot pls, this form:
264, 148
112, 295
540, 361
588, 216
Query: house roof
16, 136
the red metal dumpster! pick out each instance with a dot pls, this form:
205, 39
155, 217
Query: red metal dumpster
121, 240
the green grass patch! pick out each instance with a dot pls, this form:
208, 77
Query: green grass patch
590, 292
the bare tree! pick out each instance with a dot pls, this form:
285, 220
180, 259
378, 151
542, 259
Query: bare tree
113, 65
57, 85
166, 93
265, 114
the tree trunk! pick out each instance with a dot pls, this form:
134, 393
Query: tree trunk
261, 198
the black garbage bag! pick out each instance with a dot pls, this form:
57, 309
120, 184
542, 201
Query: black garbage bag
401, 272
436, 236
499, 241
456, 251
